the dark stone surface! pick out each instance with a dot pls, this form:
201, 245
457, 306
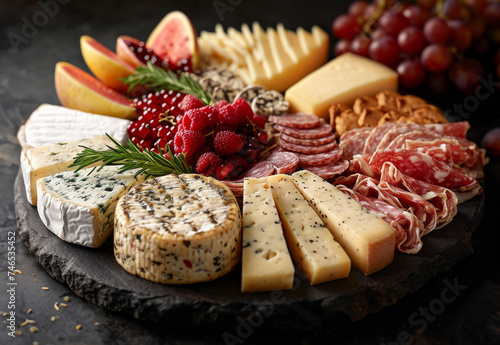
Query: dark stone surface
94, 274
26, 81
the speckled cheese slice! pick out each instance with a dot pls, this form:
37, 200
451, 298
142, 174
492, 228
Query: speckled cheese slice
368, 240
266, 263
42, 161
312, 246
79, 207
178, 229
52, 124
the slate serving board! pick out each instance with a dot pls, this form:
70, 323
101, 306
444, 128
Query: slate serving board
94, 275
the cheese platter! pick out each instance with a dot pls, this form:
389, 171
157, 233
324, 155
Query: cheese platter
399, 171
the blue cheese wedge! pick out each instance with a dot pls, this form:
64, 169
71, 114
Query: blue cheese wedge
178, 229
312, 246
52, 124
39, 162
368, 240
79, 207
266, 263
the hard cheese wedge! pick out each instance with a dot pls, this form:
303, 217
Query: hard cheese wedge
312, 246
368, 240
80, 208
266, 262
342, 80
42, 161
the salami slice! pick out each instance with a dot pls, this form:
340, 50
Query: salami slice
308, 133
320, 158
454, 129
376, 136
353, 142
307, 149
262, 169
396, 131
309, 142
298, 120
283, 162
328, 171
400, 141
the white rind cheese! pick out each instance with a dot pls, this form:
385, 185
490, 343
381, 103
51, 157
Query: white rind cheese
178, 229
266, 263
39, 162
368, 240
312, 246
52, 124
78, 207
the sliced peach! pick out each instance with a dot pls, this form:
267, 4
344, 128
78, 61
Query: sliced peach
79, 90
124, 53
175, 38
104, 63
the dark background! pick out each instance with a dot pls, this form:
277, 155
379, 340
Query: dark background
26, 81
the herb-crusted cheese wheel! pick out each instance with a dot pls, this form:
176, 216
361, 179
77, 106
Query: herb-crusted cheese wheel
178, 229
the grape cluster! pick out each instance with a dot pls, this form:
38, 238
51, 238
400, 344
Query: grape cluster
427, 42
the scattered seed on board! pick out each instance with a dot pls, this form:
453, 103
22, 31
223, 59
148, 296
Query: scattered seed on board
66, 299
64, 305
17, 272
56, 307
28, 322
18, 333
30, 311
52, 318
35, 343
33, 329
78, 327
5, 314
45, 288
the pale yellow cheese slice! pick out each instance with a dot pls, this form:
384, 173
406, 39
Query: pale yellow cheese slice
368, 240
266, 262
312, 246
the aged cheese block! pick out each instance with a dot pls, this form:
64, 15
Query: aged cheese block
312, 246
342, 80
178, 229
79, 207
51, 159
368, 240
266, 263
52, 124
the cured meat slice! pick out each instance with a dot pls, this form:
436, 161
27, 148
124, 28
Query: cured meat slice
328, 171
283, 162
444, 200
360, 164
320, 158
309, 142
353, 142
262, 169
423, 167
306, 133
298, 120
376, 136
396, 131
400, 140
454, 129
406, 224
307, 149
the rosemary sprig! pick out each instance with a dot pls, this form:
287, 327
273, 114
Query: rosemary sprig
130, 157
160, 79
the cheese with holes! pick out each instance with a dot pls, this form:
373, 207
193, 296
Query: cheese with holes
312, 246
342, 80
368, 240
178, 229
266, 263
79, 207
52, 124
42, 161
275, 59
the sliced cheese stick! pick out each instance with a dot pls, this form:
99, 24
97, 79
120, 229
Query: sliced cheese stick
266, 263
312, 246
368, 240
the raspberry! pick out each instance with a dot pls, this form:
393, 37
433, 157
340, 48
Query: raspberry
208, 163
213, 116
222, 171
190, 102
188, 142
228, 115
227, 143
259, 121
195, 119
224, 127
243, 110
220, 104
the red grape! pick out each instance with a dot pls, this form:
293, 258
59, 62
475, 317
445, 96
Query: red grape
377, 33
481, 45
360, 44
453, 9
436, 30
460, 35
436, 57
436, 83
342, 46
464, 77
476, 26
392, 23
411, 73
357, 8
478, 5
491, 141
416, 15
345, 27
384, 50
492, 14
411, 40
427, 4
369, 10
